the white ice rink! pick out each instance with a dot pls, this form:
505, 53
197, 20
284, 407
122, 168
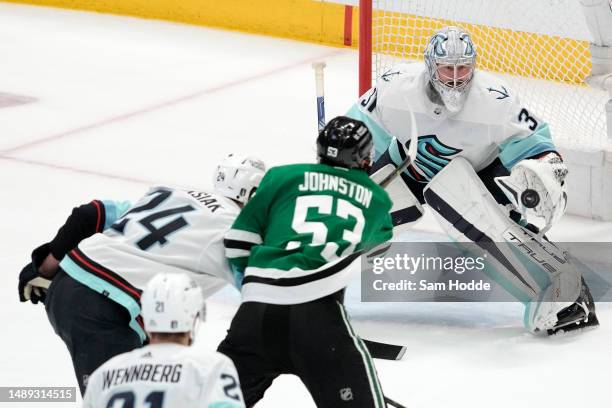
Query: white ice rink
96, 106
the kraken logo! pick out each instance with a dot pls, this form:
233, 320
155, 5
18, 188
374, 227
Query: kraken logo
432, 156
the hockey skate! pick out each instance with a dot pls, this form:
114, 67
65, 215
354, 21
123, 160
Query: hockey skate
579, 315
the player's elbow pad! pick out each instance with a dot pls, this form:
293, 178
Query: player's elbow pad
83, 222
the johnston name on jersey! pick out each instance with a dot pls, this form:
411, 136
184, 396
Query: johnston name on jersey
297, 237
165, 375
167, 230
493, 123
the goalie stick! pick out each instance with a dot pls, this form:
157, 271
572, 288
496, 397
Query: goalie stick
384, 351
320, 94
412, 153
318, 67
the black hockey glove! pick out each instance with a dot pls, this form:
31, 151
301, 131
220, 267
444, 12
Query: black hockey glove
32, 286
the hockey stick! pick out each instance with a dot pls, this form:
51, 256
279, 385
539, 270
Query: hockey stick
318, 67
411, 157
392, 403
412, 151
385, 351
377, 350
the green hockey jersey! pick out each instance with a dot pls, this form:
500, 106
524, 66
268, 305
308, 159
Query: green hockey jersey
297, 239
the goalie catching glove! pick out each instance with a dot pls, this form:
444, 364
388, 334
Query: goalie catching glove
32, 285
537, 189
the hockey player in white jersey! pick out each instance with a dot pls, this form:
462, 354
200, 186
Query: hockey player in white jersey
100, 260
167, 372
475, 118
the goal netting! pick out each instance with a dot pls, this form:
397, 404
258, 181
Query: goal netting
541, 47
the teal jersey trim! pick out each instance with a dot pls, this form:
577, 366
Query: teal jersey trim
394, 154
238, 275
225, 404
114, 210
515, 149
103, 287
381, 137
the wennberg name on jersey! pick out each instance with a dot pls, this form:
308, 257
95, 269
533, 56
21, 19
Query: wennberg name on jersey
177, 375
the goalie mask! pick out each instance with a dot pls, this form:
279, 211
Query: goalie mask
450, 58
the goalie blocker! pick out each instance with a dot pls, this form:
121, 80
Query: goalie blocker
555, 295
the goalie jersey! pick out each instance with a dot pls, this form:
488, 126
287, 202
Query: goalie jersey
296, 239
493, 123
165, 375
167, 230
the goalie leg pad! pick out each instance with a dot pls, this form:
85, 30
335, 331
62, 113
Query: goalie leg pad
532, 270
406, 209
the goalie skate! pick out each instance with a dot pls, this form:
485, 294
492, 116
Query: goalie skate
579, 315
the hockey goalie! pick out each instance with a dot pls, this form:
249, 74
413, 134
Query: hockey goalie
488, 168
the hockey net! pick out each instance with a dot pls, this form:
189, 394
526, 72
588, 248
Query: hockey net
541, 47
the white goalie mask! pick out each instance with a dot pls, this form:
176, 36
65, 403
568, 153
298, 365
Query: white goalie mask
450, 58
237, 177
172, 303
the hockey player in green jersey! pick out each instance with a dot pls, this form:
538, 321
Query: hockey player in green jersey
294, 246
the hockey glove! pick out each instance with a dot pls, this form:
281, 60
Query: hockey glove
537, 189
33, 286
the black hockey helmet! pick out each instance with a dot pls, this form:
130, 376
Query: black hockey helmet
345, 142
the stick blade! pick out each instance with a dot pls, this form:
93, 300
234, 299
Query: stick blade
385, 351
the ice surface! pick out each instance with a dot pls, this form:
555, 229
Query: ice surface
116, 104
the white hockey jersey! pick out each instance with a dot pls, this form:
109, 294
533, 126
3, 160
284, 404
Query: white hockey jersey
167, 230
493, 122
165, 375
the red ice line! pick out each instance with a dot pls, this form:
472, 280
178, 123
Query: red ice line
81, 171
166, 104
4, 154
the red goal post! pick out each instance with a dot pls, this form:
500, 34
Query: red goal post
365, 45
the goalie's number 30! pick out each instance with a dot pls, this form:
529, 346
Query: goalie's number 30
318, 229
